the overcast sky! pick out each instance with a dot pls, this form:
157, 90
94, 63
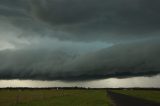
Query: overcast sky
79, 39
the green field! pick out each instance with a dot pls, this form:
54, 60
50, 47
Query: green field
54, 98
151, 95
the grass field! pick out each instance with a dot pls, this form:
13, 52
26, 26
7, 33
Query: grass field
151, 95
54, 98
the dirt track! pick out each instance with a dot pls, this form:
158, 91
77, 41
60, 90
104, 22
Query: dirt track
124, 100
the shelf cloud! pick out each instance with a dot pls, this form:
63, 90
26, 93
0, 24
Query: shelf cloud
79, 39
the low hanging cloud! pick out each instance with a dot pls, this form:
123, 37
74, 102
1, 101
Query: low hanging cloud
79, 39
123, 60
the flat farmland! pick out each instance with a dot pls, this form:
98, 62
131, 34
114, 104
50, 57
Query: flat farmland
54, 98
79, 97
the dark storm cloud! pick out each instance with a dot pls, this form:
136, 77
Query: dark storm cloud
58, 25
122, 60
104, 19
13, 8
87, 20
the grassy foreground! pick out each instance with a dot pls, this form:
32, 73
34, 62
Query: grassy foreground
150, 95
54, 98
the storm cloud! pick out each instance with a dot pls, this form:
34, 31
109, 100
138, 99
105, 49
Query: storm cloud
123, 60
86, 20
79, 39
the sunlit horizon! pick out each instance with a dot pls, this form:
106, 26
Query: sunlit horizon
142, 82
